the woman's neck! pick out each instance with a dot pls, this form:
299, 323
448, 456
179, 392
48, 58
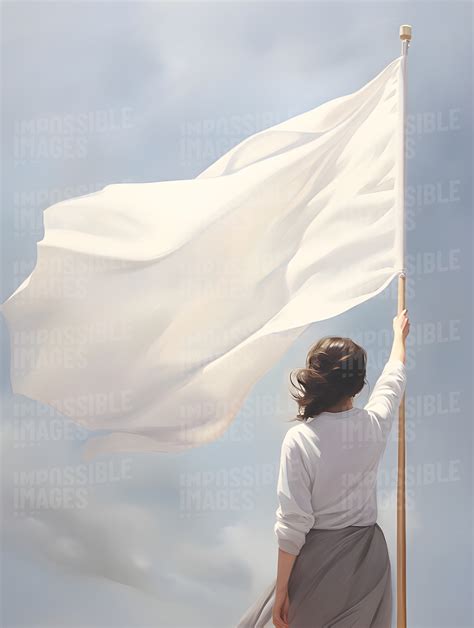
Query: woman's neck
341, 406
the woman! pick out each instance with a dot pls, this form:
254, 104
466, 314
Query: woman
333, 563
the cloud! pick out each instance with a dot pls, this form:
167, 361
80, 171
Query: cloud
178, 563
109, 541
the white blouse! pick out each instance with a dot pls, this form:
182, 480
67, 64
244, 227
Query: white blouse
328, 464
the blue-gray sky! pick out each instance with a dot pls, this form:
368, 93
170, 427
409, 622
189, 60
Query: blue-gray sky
95, 93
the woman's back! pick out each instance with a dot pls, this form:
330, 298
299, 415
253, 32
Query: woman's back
328, 466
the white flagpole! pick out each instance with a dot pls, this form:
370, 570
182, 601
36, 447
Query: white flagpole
405, 36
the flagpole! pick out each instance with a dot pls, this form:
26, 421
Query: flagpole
405, 36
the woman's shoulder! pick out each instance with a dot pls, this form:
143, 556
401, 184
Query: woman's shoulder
300, 435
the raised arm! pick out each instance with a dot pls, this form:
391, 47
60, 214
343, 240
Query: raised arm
390, 386
401, 328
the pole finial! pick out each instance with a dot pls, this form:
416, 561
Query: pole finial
405, 32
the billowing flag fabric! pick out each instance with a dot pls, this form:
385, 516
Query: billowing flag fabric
154, 308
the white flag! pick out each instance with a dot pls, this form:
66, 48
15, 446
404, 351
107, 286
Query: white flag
154, 308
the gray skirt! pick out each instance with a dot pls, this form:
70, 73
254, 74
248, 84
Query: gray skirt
340, 579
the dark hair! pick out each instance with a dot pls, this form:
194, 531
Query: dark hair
335, 369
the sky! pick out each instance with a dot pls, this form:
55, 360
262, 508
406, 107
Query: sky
103, 92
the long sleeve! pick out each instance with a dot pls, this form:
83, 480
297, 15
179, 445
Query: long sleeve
387, 394
294, 515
